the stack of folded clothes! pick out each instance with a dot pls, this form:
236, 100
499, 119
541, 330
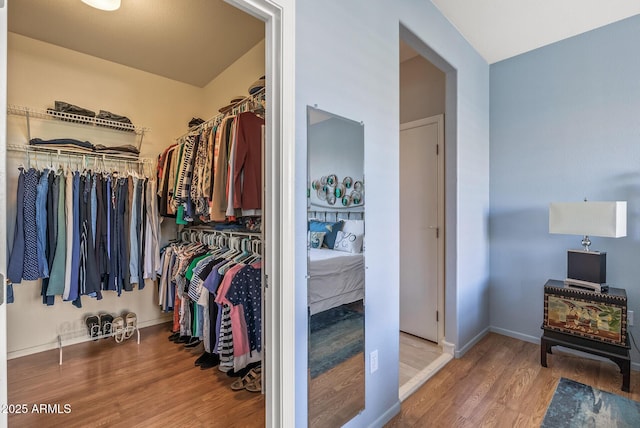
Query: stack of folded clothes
64, 107
63, 143
126, 149
107, 115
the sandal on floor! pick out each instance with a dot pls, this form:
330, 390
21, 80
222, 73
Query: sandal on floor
93, 324
106, 321
249, 378
131, 322
256, 385
118, 329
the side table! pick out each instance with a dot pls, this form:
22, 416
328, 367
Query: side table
617, 354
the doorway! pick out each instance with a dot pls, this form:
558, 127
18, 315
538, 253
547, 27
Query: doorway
278, 39
423, 95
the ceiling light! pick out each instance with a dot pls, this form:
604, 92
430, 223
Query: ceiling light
109, 5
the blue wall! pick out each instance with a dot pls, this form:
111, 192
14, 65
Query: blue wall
565, 125
347, 62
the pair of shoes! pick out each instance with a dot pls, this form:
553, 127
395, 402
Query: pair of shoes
252, 381
207, 360
182, 339
99, 325
174, 336
123, 328
195, 341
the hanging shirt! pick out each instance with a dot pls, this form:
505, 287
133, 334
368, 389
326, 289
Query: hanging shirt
247, 178
16, 261
30, 268
57, 279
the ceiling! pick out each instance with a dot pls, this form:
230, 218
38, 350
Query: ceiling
500, 29
188, 41
194, 41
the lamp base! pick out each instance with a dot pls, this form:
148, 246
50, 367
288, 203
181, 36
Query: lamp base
588, 266
586, 285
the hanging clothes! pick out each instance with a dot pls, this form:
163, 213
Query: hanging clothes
214, 173
217, 298
57, 278
84, 232
30, 269
16, 262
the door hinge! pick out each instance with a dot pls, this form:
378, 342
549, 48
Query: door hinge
437, 316
437, 149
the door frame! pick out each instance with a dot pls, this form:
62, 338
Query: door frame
3, 212
440, 223
279, 208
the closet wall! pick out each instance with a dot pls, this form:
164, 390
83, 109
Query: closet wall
422, 89
38, 74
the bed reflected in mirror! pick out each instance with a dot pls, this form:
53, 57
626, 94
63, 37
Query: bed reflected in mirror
335, 268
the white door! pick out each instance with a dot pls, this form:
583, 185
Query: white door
3, 210
421, 233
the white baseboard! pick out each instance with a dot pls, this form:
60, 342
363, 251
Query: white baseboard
448, 347
386, 416
515, 335
54, 345
459, 353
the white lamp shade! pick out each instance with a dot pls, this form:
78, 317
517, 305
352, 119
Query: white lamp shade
108, 5
607, 219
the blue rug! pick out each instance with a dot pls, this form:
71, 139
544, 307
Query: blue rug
336, 335
577, 405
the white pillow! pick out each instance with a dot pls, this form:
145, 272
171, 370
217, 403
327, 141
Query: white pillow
353, 226
348, 242
315, 239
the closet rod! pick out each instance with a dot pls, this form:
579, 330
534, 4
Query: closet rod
229, 233
258, 97
70, 152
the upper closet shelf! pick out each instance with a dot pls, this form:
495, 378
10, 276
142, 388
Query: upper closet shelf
75, 118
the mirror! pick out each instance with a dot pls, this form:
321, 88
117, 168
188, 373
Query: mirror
335, 268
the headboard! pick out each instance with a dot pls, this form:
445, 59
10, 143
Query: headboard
334, 214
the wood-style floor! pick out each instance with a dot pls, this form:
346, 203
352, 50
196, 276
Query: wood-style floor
500, 383
107, 384
337, 395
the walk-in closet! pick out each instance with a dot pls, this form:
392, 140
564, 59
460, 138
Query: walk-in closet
135, 181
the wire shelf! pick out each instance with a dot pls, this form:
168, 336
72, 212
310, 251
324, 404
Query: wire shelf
75, 118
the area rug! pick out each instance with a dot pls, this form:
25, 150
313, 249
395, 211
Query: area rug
336, 335
577, 405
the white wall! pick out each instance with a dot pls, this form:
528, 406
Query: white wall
347, 62
235, 80
39, 74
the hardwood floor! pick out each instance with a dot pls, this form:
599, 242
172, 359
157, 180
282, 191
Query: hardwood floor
337, 395
128, 385
500, 383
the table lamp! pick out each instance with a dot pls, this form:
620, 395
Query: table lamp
587, 268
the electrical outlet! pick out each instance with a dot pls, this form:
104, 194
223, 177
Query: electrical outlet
373, 361
629, 317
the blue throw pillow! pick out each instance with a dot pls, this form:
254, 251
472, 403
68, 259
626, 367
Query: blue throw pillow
329, 228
